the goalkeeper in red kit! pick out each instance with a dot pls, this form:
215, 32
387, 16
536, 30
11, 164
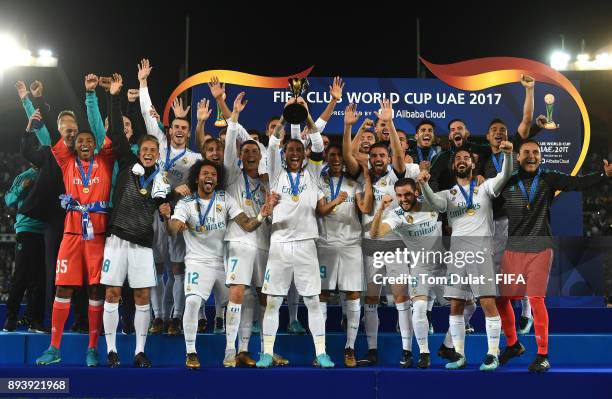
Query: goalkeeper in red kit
87, 180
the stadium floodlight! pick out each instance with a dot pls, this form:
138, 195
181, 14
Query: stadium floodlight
602, 61
582, 57
44, 53
12, 55
559, 60
9, 51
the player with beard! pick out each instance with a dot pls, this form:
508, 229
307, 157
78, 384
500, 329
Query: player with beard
292, 243
528, 196
202, 218
417, 225
339, 244
247, 254
470, 215
176, 159
87, 180
383, 179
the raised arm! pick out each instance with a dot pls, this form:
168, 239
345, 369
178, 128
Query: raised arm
563, 182
365, 199
135, 116
378, 228
121, 146
93, 110
217, 89
43, 133
499, 181
350, 118
335, 91
144, 70
436, 201
230, 154
386, 115
274, 156
39, 103
202, 114
528, 83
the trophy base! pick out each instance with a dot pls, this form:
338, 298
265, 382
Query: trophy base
551, 125
295, 114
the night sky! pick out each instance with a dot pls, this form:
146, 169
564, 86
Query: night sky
350, 40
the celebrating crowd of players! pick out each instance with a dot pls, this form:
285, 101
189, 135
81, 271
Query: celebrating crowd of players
247, 222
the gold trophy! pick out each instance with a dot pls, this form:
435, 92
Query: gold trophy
549, 99
220, 121
296, 113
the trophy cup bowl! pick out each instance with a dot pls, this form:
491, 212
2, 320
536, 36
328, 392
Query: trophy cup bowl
296, 113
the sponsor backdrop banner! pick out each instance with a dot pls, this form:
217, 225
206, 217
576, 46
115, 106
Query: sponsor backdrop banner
415, 99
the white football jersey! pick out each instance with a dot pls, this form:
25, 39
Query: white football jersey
382, 187
481, 223
206, 245
236, 189
411, 227
178, 172
293, 220
342, 227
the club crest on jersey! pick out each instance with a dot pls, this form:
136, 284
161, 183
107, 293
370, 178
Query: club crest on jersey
453, 191
232, 276
185, 160
383, 183
219, 208
188, 289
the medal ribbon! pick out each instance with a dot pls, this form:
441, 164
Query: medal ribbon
534, 186
295, 186
498, 163
144, 183
334, 193
210, 204
170, 162
469, 199
249, 192
85, 177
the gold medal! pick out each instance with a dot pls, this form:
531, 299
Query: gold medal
409, 218
185, 160
86, 190
143, 191
475, 190
471, 211
528, 207
295, 198
334, 209
248, 202
202, 229
165, 174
